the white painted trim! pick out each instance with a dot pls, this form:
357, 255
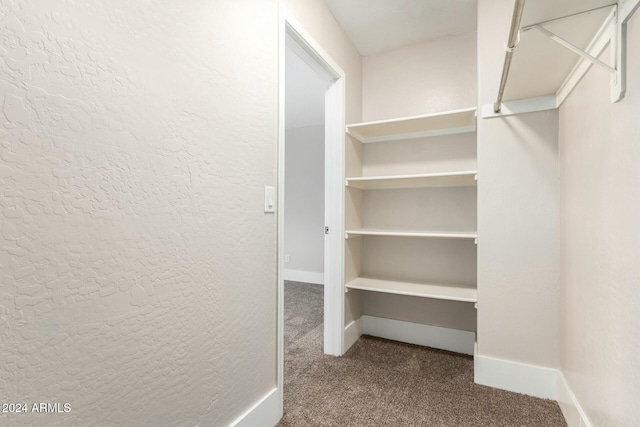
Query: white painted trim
352, 332
292, 30
574, 414
334, 199
520, 106
518, 377
296, 32
303, 54
414, 333
317, 278
595, 48
265, 413
282, 47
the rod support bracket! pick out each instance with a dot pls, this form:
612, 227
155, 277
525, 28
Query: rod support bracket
575, 49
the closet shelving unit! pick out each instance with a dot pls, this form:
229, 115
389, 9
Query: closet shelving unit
424, 290
552, 45
464, 235
446, 179
387, 131
445, 123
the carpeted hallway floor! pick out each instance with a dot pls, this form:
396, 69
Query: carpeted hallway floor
386, 383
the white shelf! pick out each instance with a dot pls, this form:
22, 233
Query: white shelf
445, 123
463, 235
541, 69
424, 290
447, 179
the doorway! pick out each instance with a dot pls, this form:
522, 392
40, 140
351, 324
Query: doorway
304, 216
328, 134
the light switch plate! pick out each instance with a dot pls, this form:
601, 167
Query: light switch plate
269, 199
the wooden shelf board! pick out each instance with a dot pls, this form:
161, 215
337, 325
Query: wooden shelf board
465, 235
423, 290
444, 123
446, 179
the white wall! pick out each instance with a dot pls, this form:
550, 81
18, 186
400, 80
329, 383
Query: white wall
518, 216
304, 203
427, 77
137, 268
600, 243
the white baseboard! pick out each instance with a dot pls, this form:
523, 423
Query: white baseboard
304, 276
352, 332
537, 381
415, 333
518, 377
265, 413
571, 409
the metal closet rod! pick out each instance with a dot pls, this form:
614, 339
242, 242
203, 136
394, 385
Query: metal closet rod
511, 44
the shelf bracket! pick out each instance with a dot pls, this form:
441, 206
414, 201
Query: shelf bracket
475, 241
575, 49
623, 12
612, 32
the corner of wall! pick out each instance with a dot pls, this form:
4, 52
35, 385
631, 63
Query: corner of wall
267, 412
536, 381
352, 332
573, 412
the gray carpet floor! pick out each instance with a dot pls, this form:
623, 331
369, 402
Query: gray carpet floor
386, 383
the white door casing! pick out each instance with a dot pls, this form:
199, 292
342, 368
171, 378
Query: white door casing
292, 34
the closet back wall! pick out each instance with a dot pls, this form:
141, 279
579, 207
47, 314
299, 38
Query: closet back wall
423, 78
428, 77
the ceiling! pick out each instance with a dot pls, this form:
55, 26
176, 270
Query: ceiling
376, 26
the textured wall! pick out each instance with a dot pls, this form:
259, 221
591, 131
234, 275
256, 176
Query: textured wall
137, 269
423, 78
600, 243
518, 215
304, 204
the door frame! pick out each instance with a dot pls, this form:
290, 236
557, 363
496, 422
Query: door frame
290, 30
